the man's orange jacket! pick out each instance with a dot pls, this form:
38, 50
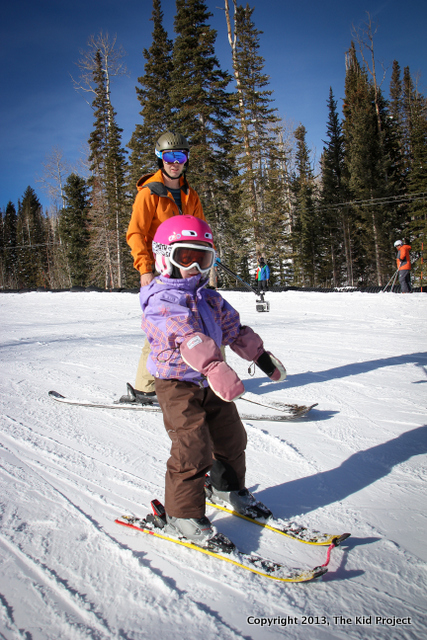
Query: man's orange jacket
153, 205
403, 258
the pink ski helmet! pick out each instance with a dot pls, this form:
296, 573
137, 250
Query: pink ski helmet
182, 230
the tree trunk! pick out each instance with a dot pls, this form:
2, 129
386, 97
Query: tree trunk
249, 165
376, 249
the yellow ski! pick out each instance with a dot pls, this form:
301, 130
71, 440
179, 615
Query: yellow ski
290, 531
249, 562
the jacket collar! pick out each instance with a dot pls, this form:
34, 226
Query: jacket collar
193, 284
155, 182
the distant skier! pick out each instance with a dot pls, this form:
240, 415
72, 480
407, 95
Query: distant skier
404, 265
186, 324
262, 275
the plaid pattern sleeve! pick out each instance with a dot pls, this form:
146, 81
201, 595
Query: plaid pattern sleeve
168, 324
165, 333
225, 316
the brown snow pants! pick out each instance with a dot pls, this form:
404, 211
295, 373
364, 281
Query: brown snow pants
206, 434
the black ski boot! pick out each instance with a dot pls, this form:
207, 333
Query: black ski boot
134, 396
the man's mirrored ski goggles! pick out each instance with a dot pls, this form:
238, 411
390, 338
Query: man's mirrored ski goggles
172, 157
186, 256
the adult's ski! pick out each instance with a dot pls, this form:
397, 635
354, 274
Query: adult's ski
285, 528
150, 406
296, 409
220, 547
283, 414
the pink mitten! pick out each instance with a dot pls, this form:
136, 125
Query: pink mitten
202, 354
248, 344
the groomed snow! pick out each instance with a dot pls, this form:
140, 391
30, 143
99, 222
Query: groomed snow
357, 464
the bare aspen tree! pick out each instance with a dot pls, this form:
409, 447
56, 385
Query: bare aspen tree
261, 151
112, 63
287, 162
55, 171
364, 37
232, 39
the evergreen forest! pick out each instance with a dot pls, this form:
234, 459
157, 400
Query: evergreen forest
332, 225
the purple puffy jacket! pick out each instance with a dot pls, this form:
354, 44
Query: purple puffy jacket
175, 309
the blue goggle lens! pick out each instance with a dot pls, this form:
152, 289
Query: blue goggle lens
170, 157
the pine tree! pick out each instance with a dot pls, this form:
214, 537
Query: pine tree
367, 170
102, 244
74, 229
153, 96
202, 111
109, 206
10, 252
260, 154
58, 273
119, 204
305, 228
333, 195
31, 240
416, 119
275, 226
398, 164
407, 117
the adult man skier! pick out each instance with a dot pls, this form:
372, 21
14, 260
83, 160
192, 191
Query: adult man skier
403, 261
160, 196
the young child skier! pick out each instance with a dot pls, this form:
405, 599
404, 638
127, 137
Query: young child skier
186, 324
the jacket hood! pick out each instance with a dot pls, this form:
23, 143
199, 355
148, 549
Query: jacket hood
148, 177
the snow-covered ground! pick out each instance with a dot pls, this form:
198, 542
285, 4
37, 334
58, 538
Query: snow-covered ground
358, 464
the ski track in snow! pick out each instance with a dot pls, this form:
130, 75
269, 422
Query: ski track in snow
356, 463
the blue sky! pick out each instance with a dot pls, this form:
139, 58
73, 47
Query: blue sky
303, 44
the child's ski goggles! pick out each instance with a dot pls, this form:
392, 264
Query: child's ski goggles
186, 256
172, 157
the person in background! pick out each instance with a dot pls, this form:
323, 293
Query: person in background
160, 196
262, 275
403, 260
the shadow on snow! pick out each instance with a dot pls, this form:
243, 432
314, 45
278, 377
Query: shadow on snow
344, 371
360, 470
